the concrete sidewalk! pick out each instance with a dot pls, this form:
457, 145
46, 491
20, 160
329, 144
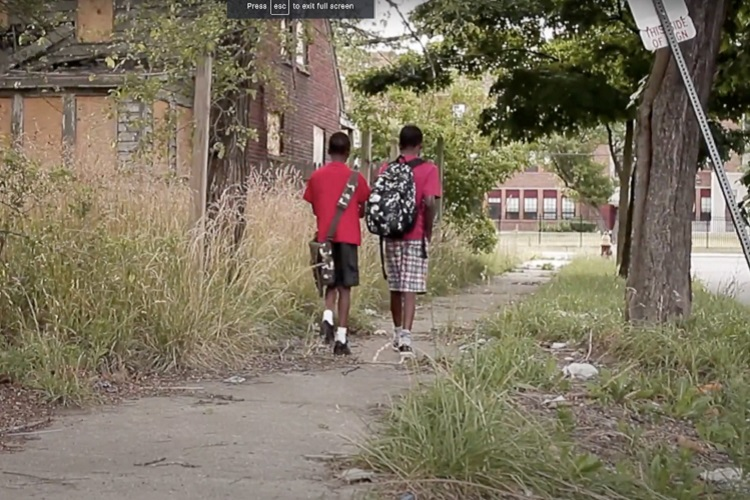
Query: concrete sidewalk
262, 439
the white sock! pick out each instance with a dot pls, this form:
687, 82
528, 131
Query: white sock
328, 316
341, 335
396, 333
405, 338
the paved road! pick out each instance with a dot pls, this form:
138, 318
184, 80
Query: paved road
724, 273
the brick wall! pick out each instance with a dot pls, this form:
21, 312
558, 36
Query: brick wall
313, 95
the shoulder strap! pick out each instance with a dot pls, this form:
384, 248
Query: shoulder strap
415, 162
343, 203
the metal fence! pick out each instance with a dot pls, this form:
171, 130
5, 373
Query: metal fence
716, 234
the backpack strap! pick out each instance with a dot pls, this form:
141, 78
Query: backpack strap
343, 203
382, 257
415, 162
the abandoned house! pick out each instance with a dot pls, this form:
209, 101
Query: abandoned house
54, 96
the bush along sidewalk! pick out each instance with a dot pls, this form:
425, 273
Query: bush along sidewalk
98, 275
665, 416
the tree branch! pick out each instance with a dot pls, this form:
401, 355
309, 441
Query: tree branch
613, 149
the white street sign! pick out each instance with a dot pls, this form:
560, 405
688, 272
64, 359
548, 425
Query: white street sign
645, 14
652, 33
654, 38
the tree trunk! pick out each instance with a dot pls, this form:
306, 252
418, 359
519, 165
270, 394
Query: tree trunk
228, 172
659, 287
627, 248
624, 175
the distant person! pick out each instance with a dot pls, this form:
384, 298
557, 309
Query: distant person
403, 205
606, 245
323, 191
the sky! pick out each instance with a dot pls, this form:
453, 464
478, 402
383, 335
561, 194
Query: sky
387, 20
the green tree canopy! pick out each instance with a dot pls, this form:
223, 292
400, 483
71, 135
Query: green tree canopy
560, 66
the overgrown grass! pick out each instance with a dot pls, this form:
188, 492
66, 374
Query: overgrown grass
468, 435
99, 274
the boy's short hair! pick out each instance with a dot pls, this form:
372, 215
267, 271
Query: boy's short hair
339, 144
410, 137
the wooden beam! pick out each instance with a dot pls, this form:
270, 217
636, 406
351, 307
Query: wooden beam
57, 82
69, 128
202, 118
16, 120
62, 80
38, 48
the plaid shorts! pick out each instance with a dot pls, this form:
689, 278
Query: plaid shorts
405, 266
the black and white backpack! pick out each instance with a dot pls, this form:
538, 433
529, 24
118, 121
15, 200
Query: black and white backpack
392, 205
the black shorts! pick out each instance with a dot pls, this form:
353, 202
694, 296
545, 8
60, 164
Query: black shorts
346, 264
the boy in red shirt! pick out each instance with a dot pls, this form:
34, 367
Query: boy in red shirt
406, 258
323, 192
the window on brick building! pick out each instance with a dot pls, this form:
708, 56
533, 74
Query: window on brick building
568, 209
296, 37
705, 204
512, 205
495, 207
530, 205
549, 207
275, 134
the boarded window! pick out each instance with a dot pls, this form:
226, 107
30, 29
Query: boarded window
6, 113
274, 133
95, 20
42, 129
95, 134
184, 140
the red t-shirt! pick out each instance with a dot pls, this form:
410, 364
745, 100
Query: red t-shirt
427, 181
323, 192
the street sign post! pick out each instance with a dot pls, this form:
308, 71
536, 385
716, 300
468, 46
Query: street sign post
647, 19
667, 11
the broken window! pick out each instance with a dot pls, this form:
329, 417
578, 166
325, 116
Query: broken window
294, 37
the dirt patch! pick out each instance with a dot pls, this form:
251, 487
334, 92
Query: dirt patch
22, 412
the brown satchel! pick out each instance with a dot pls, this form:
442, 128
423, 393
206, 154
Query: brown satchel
321, 254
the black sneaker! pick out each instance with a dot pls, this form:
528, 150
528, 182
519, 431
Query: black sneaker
326, 332
341, 349
395, 344
406, 352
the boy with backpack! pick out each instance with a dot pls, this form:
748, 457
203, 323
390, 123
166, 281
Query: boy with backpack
401, 210
337, 195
